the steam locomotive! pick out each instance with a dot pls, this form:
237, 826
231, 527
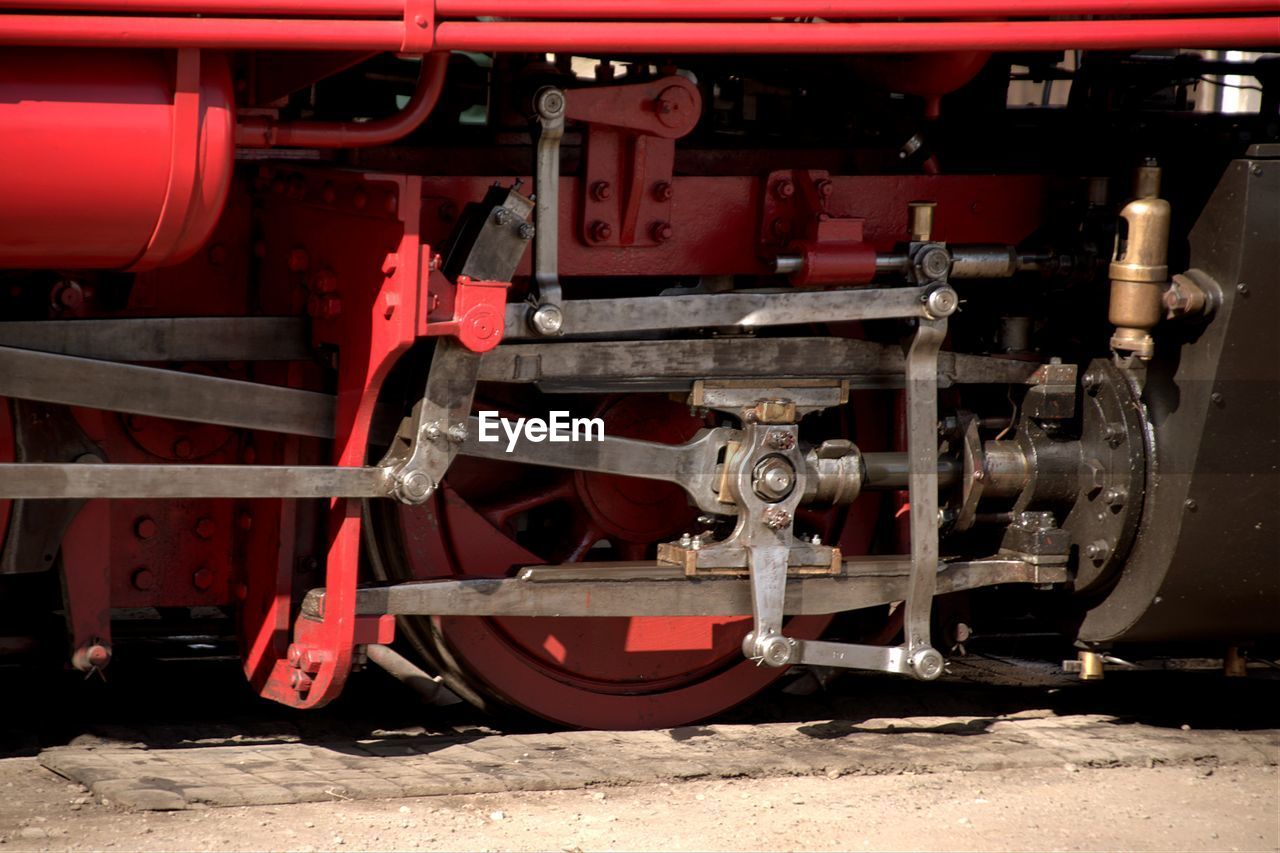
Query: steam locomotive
606, 360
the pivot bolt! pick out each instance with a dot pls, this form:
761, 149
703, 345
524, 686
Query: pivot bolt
774, 650
776, 518
458, 433
773, 478
942, 302
926, 663
414, 487
935, 263
550, 103
547, 320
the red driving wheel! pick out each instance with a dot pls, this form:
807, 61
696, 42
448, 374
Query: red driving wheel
491, 518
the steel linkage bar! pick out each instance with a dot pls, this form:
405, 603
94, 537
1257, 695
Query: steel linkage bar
90, 480
114, 387
739, 310
675, 365
165, 338
653, 589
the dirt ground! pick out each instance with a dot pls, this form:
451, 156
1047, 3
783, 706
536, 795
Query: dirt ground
1198, 801
1188, 808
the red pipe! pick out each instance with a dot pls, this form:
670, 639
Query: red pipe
834, 9
650, 37
261, 132
706, 38
232, 8
217, 33
660, 9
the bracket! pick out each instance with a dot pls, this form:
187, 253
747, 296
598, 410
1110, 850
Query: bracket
631, 133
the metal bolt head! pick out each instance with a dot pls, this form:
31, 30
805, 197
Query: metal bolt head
1113, 434
501, 215
202, 578
546, 320
776, 518
926, 663
431, 431
1093, 382
1115, 496
942, 302
1097, 551
824, 187
602, 190
527, 231
935, 263
414, 487
205, 527
457, 433
781, 439
1242, 289
815, 539
685, 540
774, 651
661, 231
600, 231
773, 478
143, 579
784, 189
550, 103
662, 191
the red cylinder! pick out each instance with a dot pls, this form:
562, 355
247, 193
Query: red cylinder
112, 159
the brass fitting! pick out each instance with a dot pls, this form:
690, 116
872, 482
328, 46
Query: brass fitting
1140, 269
920, 220
1091, 668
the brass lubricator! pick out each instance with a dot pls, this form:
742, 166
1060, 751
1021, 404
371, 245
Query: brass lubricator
1140, 268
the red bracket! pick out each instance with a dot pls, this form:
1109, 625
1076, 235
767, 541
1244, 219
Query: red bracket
795, 219
419, 26
631, 133
476, 313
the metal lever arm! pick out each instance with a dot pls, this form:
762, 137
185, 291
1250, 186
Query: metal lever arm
545, 318
429, 438
691, 466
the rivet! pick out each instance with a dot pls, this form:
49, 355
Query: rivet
142, 579
145, 527
600, 231
202, 578
205, 527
